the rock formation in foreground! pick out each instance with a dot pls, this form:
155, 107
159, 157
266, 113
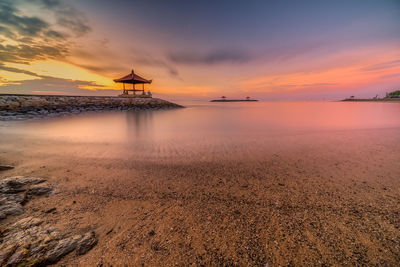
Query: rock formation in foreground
30, 241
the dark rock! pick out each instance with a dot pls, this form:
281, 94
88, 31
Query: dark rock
6, 167
26, 223
86, 243
17, 182
11, 199
10, 208
6, 253
13, 185
31, 240
39, 190
17, 257
62, 248
110, 231
50, 210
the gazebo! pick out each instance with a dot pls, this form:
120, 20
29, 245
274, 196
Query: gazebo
133, 79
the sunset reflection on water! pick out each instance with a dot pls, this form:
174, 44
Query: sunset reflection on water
212, 120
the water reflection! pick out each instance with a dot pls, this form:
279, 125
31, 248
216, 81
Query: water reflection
211, 123
139, 124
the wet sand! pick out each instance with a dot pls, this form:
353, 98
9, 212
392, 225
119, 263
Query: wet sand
327, 198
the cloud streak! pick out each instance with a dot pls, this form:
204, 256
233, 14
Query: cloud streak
16, 70
23, 53
24, 39
67, 16
51, 85
153, 62
23, 25
383, 65
230, 55
211, 58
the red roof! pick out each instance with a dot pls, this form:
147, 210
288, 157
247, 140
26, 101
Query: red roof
132, 78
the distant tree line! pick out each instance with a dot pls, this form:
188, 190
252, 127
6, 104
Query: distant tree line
394, 93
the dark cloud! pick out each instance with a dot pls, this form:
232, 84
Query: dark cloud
116, 64
51, 85
26, 40
388, 76
174, 72
15, 70
383, 65
25, 53
214, 57
23, 25
319, 84
55, 34
150, 61
7, 33
282, 53
50, 3
36, 39
288, 52
101, 68
14, 25
33, 37
67, 16
77, 25
46, 82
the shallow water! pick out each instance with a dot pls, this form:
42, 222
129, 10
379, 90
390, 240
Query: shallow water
208, 119
288, 183
208, 128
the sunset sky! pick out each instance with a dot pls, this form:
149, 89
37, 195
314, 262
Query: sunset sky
271, 50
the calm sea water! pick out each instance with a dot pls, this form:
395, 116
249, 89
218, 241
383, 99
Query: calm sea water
208, 127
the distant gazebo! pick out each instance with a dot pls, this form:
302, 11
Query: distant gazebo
133, 79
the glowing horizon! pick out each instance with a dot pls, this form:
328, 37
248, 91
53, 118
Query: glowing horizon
308, 50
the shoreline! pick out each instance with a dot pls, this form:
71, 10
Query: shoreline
296, 202
20, 107
391, 100
166, 188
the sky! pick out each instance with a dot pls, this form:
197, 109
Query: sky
271, 50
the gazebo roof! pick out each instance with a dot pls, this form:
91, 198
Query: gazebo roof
132, 78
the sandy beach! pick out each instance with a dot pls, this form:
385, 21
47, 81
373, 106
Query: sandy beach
326, 198
199, 133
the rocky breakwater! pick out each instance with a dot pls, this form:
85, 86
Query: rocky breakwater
29, 106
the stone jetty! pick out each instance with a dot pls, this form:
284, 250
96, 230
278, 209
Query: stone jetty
29, 106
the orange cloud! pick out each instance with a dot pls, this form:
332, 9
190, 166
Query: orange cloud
328, 79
